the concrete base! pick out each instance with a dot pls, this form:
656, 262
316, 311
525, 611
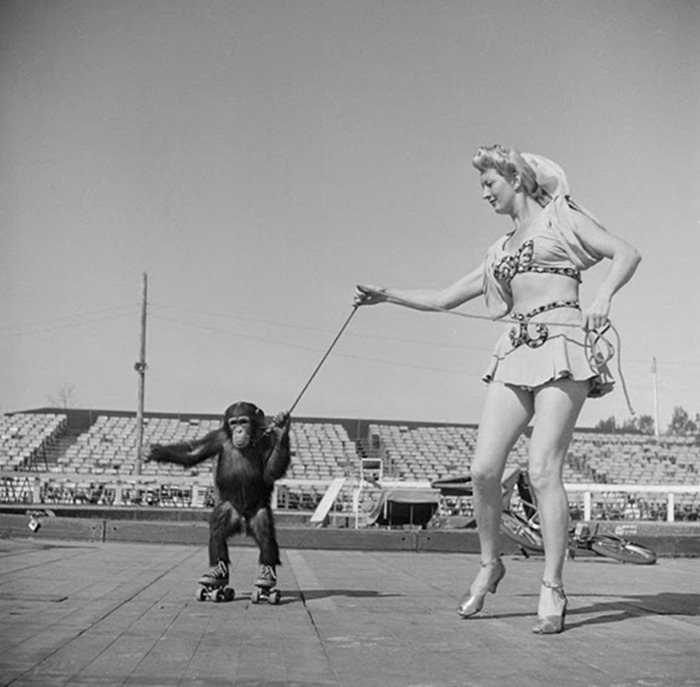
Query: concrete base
667, 539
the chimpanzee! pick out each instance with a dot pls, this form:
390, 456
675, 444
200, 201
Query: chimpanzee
250, 457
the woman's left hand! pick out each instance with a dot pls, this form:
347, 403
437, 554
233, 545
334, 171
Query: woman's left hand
596, 316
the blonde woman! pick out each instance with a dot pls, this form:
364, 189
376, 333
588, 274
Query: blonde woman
541, 370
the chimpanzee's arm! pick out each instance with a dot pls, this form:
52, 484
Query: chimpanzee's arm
188, 453
280, 456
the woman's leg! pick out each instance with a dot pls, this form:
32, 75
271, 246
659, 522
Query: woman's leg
557, 407
507, 410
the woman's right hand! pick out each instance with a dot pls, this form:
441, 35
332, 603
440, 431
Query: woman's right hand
369, 295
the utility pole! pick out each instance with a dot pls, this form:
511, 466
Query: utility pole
656, 397
140, 368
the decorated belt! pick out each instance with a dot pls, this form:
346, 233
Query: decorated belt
521, 334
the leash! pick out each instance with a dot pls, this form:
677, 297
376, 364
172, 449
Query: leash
323, 360
599, 349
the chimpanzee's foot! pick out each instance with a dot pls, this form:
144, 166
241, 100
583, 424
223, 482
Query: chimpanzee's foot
267, 577
216, 577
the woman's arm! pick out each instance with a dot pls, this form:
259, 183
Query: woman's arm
463, 290
624, 261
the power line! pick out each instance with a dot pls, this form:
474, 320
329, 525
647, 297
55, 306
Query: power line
38, 329
678, 361
309, 349
637, 378
374, 337
73, 316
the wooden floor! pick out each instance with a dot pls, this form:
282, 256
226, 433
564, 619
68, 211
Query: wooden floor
110, 614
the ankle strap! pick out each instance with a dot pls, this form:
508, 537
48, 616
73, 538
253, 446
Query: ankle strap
553, 585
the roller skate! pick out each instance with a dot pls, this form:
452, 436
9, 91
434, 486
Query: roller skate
213, 585
264, 586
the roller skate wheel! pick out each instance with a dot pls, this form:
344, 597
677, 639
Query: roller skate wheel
201, 594
275, 597
219, 595
255, 596
229, 594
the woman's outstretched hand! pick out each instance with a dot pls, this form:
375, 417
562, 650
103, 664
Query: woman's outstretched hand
369, 295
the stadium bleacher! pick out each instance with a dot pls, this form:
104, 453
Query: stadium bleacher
24, 438
324, 449
109, 445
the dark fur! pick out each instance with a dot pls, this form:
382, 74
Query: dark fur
243, 478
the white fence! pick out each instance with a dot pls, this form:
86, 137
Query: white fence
630, 501
607, 492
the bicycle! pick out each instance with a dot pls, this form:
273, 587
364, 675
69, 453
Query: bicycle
523, 528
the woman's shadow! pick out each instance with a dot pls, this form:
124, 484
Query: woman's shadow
621, 608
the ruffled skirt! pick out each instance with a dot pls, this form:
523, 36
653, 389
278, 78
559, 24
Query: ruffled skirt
527, 357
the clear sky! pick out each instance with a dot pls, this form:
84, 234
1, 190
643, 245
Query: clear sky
258, 158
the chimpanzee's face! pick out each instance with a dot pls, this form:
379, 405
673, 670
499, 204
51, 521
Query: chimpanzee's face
241, 430
244, 423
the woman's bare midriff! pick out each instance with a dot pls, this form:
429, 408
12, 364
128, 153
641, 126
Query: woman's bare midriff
532, 290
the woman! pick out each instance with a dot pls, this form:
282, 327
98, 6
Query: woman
542, 368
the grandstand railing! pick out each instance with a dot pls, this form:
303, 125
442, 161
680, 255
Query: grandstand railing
634, 507
588, 501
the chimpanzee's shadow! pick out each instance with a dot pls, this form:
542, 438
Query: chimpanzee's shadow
316, 594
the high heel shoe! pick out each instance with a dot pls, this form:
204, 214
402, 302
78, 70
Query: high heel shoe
472, 603
552, 624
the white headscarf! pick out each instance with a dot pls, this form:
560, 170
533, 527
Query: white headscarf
550, 176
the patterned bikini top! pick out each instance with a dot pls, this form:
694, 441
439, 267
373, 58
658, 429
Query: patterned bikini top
524, 260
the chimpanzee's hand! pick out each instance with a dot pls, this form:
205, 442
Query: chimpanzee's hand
154, 454
281, 420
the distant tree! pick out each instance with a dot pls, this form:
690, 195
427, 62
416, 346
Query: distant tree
681, 424
646, 424
629, 426
608, 426
64, 398
643, 424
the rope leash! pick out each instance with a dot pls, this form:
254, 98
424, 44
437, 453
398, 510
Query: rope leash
323, 360
599, 350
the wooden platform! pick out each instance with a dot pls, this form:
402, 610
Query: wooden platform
106, 614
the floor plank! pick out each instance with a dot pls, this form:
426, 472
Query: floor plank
119, 614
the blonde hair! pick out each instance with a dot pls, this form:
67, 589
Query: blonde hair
508, 162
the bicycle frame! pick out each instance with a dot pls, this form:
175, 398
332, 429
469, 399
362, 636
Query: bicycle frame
522, 524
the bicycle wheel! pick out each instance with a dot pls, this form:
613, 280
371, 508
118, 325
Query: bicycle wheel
522, 534
622, 550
